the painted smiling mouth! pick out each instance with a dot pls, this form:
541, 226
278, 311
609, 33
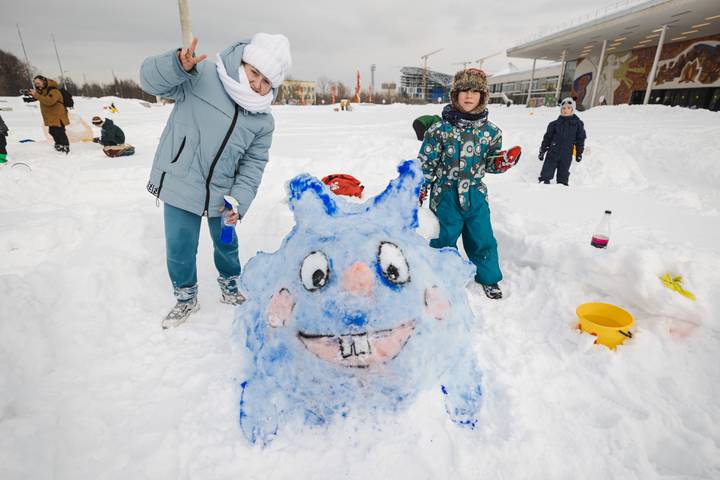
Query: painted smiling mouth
359, 350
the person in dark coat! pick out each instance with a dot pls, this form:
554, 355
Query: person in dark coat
110, 134
562, 135
3, 141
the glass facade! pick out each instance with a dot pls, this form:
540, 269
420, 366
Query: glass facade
543, 87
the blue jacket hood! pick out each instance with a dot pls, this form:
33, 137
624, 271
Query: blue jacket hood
232, 58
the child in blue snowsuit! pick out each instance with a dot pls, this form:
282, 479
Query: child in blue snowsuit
562, 135
455, 155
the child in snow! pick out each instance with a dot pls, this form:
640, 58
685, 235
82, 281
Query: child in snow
215, 143
455, 155
110, 134
3, 141
421, 124
562, 135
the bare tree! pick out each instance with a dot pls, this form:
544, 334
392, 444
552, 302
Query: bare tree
322, 85
342, 90
14, 74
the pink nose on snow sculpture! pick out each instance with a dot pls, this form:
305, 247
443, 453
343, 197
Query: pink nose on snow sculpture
358, 279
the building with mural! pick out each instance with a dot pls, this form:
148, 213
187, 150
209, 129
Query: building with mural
296, 92
609, 58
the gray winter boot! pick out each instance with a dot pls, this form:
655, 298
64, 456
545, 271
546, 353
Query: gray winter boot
186, 304
179, 313
229, 290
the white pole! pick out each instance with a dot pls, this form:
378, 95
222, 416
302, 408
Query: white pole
532, 78
651, 76
27, 62
598, 72
560, 77
62, 74
185, 26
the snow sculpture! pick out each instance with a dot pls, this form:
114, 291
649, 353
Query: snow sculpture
354, 313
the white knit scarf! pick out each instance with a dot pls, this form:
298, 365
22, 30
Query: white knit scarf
241, 92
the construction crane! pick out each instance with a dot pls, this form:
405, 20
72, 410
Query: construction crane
424, 81
480, 61
464, 64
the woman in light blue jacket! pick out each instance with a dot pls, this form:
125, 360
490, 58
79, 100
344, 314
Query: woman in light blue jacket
215, 143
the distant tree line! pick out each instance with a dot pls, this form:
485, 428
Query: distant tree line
16, 75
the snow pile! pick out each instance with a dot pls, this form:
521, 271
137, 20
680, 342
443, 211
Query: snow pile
93, 388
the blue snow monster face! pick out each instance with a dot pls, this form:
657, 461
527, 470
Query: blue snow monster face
354, 312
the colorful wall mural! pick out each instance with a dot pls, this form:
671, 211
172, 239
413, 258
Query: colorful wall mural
689, 64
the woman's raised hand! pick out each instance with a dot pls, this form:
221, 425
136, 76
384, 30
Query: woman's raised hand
187, 56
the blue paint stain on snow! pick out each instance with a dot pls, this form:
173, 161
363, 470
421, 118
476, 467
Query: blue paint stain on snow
327, 341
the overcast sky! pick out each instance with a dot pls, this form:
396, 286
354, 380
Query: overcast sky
331, 38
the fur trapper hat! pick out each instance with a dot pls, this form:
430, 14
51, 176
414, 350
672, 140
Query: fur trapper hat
470, 79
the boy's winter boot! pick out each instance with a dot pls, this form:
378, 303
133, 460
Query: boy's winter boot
3, 158
58, 147
180, 313
229, 290
493, 291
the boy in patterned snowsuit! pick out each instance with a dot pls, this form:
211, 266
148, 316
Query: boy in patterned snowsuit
455, 155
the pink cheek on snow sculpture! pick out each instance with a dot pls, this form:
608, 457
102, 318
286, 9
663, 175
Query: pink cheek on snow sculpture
436, 304
358, 279
279, 311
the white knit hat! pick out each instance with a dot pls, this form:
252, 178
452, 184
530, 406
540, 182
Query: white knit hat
569, 102
270, 54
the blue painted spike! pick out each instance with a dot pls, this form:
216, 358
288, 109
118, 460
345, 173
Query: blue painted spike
409, 171
304, 182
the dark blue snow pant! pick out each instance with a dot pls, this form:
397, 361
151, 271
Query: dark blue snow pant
552, 163
182, 233
477, 235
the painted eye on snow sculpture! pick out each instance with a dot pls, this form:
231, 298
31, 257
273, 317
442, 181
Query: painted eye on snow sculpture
315, 271
393, 264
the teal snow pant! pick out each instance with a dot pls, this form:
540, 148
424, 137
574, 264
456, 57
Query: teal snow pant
182, 233
477, 235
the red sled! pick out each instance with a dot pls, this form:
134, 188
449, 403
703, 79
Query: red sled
506, 159
344, 184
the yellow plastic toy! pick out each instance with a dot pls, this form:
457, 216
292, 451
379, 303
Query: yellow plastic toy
609, 323
675, 284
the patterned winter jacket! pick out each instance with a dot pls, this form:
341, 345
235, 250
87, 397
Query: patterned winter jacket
456, 158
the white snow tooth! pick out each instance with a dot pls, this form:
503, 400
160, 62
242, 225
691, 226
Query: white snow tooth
346, 345
361, 344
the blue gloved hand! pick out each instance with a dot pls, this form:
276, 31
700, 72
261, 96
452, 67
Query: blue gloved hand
541, 156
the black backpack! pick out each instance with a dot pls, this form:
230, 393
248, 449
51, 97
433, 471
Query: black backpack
67, 98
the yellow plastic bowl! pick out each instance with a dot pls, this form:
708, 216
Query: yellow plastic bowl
609, 323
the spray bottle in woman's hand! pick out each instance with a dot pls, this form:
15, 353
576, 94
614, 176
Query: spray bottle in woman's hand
229, 219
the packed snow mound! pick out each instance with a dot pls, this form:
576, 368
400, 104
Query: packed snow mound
355, 313
93, 388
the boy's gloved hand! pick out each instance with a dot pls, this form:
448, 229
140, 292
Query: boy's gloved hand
422, 196
578, 158
541, 156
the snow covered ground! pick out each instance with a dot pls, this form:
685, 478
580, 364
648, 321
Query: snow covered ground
91, 387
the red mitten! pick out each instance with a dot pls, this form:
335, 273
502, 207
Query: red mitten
506, 159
